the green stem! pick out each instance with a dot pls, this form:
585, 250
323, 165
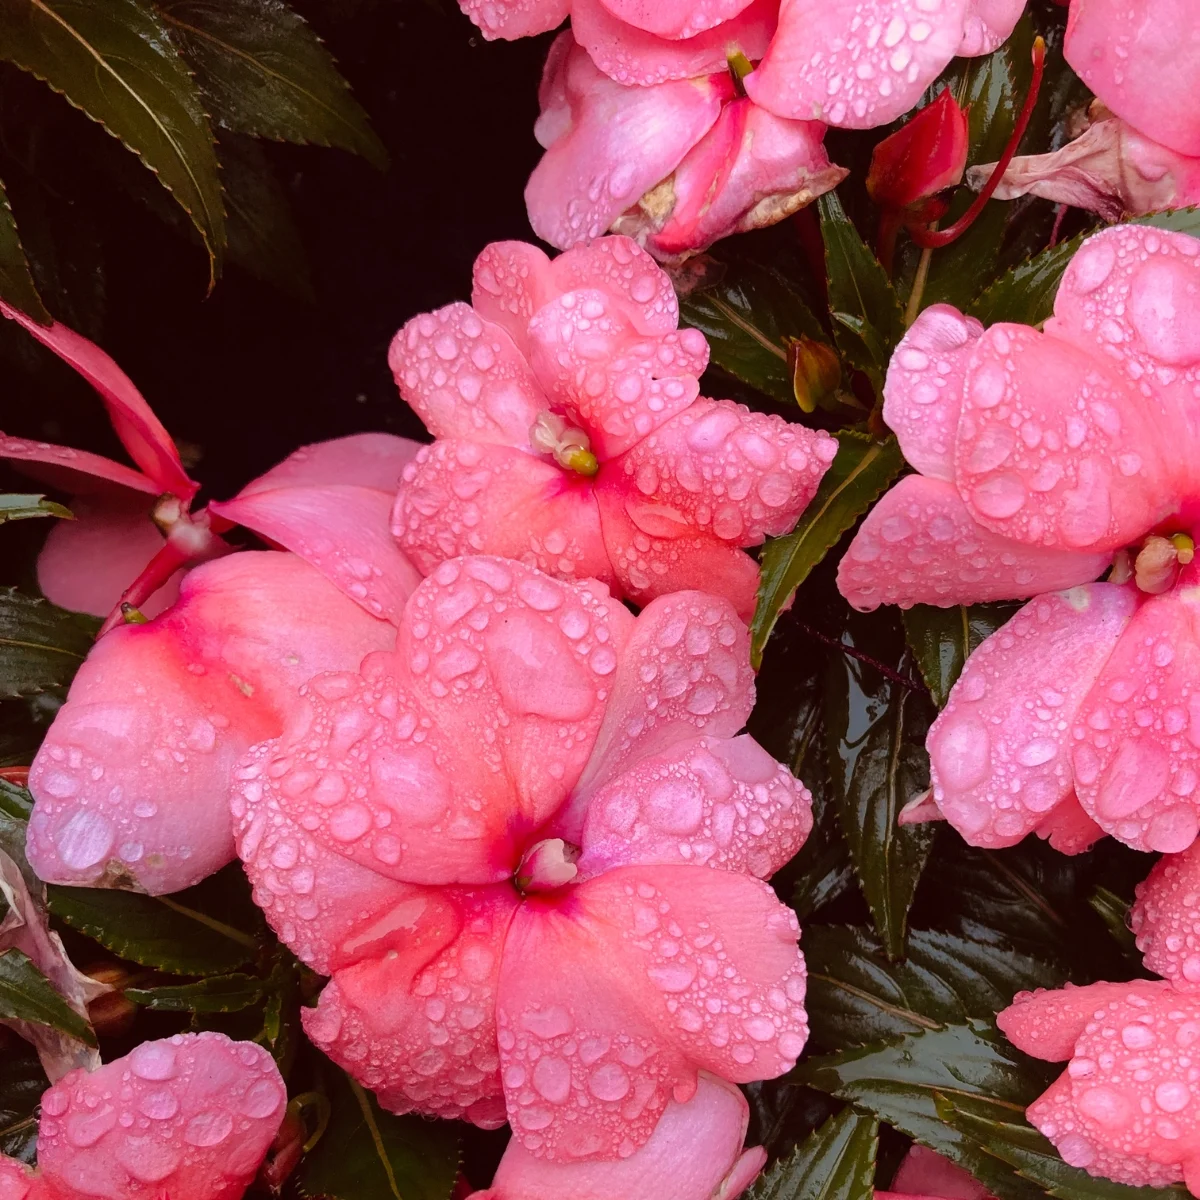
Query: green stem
236, 935
918, 287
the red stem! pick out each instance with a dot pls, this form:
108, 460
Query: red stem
154, 574
935, 239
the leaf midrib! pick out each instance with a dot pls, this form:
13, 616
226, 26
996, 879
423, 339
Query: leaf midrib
18, 644
731, 315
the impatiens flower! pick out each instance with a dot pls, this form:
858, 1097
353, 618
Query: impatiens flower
676, 165
190, 1117
694, 1153
928, 1175
572, 437
529, 847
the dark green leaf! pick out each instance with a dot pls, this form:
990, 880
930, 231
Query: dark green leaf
264, 72
20, 506
27, 995
40, 646
748, 314
15, 801
368, 1154
856, 996
22, 1083
217, 993
835, 1162
1179, 220
1025, 295
867, 321
822, 870
16, 282
943, 638
1114, 912
114, 60
861, 471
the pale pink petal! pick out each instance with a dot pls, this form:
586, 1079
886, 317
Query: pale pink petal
1166, 921
512, 19
607, 144
464, 377
1136, 753
1142, 61
675, 19
828, 63
716, 802
511, 281
611, 1004
1068, 828
637, 58
342, 530
591, 360
190, 1117
1056, 450
922, 397
719, 468
925, 1172
987, 25
461, 497
920, 545
75, 471
369, 460
19, 1182
628, 276
140, 431
132, 780
667, 1167
1000, 751
86, 564
417, 1025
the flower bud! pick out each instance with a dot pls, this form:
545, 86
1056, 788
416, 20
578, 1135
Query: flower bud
111, 1014
816, 372
922, 158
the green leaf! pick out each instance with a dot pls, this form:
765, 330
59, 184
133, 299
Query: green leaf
22, 1083
265, 73
15, 802
942, 640
41, 646
1114, 912
115, 61
16, 281
368, 1154
867, 320
861, 471
1179, 220
835, 1162
20, 506
1025, 295
217, 993
27, 995
822, 870
749, 314
856, 996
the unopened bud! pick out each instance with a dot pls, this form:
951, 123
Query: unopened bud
548, 865
111, 1014
816, 373
922, 158
285, 1151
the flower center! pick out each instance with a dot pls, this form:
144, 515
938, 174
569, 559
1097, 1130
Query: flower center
546, 866
1154, 567
567, 445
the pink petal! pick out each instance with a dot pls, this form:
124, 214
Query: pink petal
1068, 828
464, 377
19, 1182
716, 802
369, 460
140, 431
462, 497
1137, 735
131, 781
925, 1172
190, 1117
988, 24
86, 564
606, 144
512, 19
606, 1013
620, 385
637, 58
827, 63
343, 531
1000, 751
667, 1167
417, 1025
1142, 62
920, 545
1165, 919
512, 280
621, 269
75, 471
924, 389
675, 19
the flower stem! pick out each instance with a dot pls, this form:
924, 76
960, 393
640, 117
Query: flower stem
918, 287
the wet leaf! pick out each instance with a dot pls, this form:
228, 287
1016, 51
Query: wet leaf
822, 870
22, 506
217, 993
115, 61
835, 1162
942, 640
1179, 220
27, 995
1113, 910
22, 1083
16, 281
41, 646
861, 471
1025, 295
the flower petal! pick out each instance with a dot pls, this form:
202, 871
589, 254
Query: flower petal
1000, 751
75, 471
461, 497
1165, 921
512, 19
855, 63
628, 276
920, 545
369, 460
610, 1003
675, 19
925, 1172
1068, 828
511, 281
417, 1025
132, 778
988, 24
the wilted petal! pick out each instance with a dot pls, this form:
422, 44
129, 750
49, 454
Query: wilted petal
611, 1004
1000, 751
370, 460
920, 545
1165, 919
512, 19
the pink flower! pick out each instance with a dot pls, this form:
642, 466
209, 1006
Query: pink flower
190, 1117
675, 165
925, 1174
572, 437
528, 848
